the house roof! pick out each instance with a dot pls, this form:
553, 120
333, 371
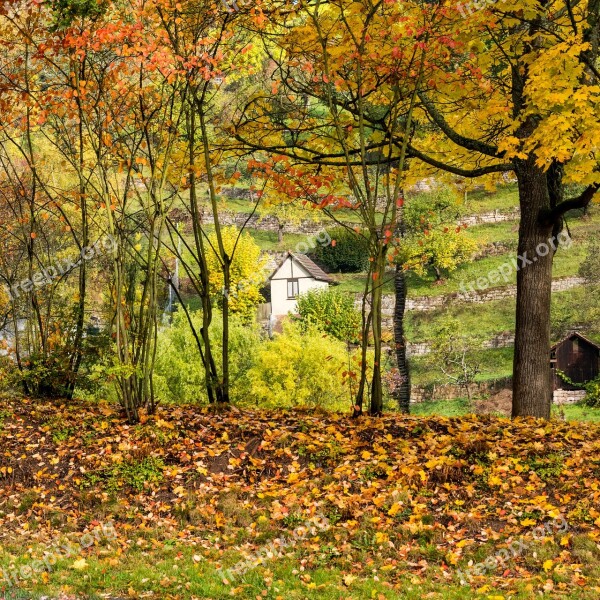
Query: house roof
308, 265
577, 335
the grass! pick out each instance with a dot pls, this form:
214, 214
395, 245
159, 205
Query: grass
171, 571
410, 502
496, 363
487, 233
484, 321
460, 407
481, 321
504, 198
443, 408
267, 240
160, 563
566, 261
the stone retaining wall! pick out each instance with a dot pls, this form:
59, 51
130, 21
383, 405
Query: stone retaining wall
568, 396
502, 340
428, 303
496, 216
271, 223
451, 392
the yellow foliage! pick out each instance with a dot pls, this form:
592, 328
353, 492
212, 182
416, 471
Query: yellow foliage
247, 271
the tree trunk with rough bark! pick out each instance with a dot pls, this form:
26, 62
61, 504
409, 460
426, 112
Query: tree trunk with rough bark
402, 391
532, 391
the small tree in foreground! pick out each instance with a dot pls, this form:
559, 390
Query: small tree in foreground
455, 355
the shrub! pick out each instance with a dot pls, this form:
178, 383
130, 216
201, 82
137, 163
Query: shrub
590, 267
441, 205
441, 250
347, 253
592, 393
592, 388
330, 311
246, 272
179, 375
301, 366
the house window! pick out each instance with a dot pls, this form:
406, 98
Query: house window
292, 285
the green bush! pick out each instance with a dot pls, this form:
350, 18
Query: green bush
301, 367
348, 252
330, 311
592, 393
179, 374
440, 206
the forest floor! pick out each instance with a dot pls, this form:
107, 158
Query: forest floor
296, 504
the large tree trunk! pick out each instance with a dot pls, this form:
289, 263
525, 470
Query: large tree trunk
532, 391
402, 392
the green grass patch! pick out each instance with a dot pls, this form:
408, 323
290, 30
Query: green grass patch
496, 363
504, 198
551, 465
134, 474
444, 408
171, 569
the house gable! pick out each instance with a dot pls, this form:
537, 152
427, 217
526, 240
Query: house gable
294, 276
290, 269
300, 266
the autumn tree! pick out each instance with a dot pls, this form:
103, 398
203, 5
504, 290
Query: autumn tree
204, 51
434, 240
247, 272
516, 91
51, 209
345, 82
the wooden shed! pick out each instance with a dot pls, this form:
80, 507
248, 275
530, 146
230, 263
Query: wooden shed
577, 357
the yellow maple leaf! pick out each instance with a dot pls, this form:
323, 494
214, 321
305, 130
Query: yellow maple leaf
80, 564
395, 509
548, 564
381, 537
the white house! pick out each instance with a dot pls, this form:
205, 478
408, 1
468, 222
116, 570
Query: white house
295, 275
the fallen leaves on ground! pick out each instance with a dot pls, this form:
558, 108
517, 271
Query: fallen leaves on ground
415, 496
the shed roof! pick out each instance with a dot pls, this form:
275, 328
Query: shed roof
577, 335
308, 265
